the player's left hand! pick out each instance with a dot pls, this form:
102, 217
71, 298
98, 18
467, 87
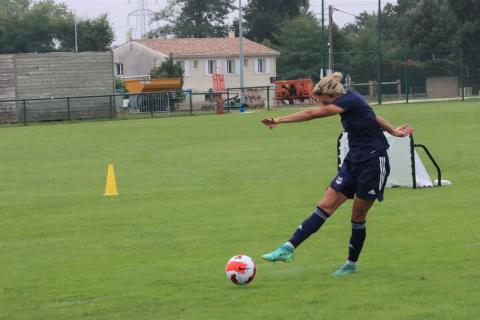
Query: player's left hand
270, 122
402, 131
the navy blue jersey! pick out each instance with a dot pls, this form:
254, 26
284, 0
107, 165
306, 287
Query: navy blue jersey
365, 137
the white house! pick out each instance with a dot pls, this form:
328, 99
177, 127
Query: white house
200, 58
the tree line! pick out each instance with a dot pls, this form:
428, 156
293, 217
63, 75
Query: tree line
425, 34
427, 31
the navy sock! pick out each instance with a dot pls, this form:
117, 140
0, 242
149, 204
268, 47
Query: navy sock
309, 226
359, 233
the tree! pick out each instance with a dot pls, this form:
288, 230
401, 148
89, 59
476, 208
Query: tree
168, 69
46, 26
302, 32
27, 27
264, 18
193, 18
404, 5
467, 13
93, 34
362, 38
428, 25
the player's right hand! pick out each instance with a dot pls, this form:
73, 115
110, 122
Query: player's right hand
403, 131
270, 122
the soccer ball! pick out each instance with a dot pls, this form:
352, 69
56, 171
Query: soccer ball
241, 269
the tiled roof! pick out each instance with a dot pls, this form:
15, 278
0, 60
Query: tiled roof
211, 47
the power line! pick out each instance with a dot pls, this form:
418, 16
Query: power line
351, 14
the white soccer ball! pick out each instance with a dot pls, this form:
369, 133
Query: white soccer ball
241, 269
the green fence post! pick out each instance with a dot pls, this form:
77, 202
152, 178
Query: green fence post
379, 30
169, 106
191, 102
406, 78
68, 108
228, 99
462, 77
111, 107
268, 98
25, 112
275, 95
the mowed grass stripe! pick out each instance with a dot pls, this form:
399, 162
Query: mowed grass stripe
195, 191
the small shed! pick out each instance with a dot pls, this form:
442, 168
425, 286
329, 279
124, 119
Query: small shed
442, 87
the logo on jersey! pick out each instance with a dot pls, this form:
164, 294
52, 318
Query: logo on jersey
339, 180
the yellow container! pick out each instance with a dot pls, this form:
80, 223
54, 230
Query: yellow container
153, 85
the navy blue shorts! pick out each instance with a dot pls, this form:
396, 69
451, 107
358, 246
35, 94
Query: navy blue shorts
366, 179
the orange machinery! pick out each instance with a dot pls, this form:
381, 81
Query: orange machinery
291, 90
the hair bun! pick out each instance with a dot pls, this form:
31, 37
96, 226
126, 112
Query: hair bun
337, 76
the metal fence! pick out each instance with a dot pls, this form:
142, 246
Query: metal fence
436, 74
392, 77
145, 105
56, 109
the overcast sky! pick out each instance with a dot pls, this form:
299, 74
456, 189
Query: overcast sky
118, 11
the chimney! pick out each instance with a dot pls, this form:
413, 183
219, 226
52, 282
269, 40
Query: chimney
129, 35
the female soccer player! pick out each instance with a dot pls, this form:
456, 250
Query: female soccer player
363, 174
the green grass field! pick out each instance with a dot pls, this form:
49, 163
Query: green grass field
195, 191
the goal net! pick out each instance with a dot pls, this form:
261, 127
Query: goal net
406, 167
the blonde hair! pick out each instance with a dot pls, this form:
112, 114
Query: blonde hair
329, 86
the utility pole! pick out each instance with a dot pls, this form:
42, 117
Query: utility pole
75, 27
323, 37
240, 36
74, 13
330, 38
379, 80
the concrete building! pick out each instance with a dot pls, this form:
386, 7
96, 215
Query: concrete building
200, 58
442, 87
52, 77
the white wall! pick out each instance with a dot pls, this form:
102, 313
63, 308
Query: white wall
198, 79
137, 60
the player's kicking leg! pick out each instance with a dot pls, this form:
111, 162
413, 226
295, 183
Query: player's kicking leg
330, 202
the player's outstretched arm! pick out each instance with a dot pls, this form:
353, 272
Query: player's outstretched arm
305, 115
402, 131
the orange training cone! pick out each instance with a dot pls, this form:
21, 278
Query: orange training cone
111, 188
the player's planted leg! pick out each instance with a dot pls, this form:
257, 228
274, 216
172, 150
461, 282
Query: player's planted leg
347, 268
354, 248
357, 238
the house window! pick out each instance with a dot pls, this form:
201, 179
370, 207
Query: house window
195, 64
245, 63
230, 66
119, 69
262, 65
210, 66
180, 64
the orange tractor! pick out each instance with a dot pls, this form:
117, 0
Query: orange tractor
289, 91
